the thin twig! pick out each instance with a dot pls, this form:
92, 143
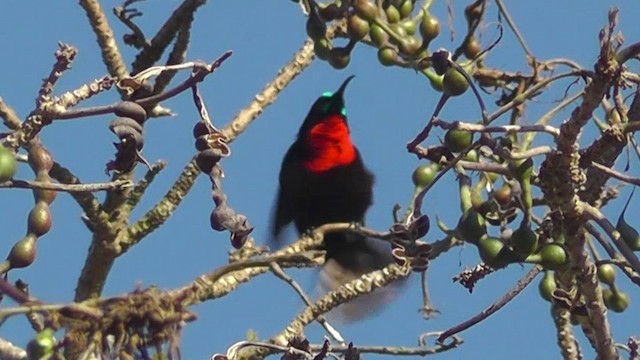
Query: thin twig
503, 10
281, 274
504, 300
618, 175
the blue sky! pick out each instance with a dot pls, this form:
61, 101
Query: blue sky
386, 106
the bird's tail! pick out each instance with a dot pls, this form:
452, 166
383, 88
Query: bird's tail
349, 256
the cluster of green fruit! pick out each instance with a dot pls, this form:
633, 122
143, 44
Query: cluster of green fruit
614, 298
389, 25
23, 253
391, 28
522, 244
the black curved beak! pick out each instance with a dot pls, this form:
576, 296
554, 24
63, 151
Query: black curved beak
340, 92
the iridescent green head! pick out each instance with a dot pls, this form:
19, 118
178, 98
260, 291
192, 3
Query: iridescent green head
330, 103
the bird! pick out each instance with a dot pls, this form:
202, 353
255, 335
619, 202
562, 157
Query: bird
323, 179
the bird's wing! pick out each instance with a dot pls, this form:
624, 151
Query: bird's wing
287, 192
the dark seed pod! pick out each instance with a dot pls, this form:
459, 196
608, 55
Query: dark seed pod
339, 57
200, 129
471, 226
330, 12
116, 126
130, 135
473, 12
128, 130
40, 158
23, 253
316, 28
207, 159
524, 241
202, 143
48, 196
322, 47
145, 90
215, 221
357, 28
132, 110
39, 221
440, 61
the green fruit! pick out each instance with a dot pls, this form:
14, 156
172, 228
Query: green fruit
406, 8
553, 257
522, 172
365, 9
493, 177
409, 26
339, 57
322, 47
429, 27
472, 156
493, 252
607, 274
410, 46
8, 164
471, 226
48, 196
423, 175
503, 195
39, 221
399, 31
387, 56
524, 241
454, 83
393, 14
436, 82
378, 36
473, 11
42, 346
471, 48
457, 140
357, 28
40, 159
616, 301
23, 253
547, 285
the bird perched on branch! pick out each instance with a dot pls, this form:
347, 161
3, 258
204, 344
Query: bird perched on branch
323, 180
